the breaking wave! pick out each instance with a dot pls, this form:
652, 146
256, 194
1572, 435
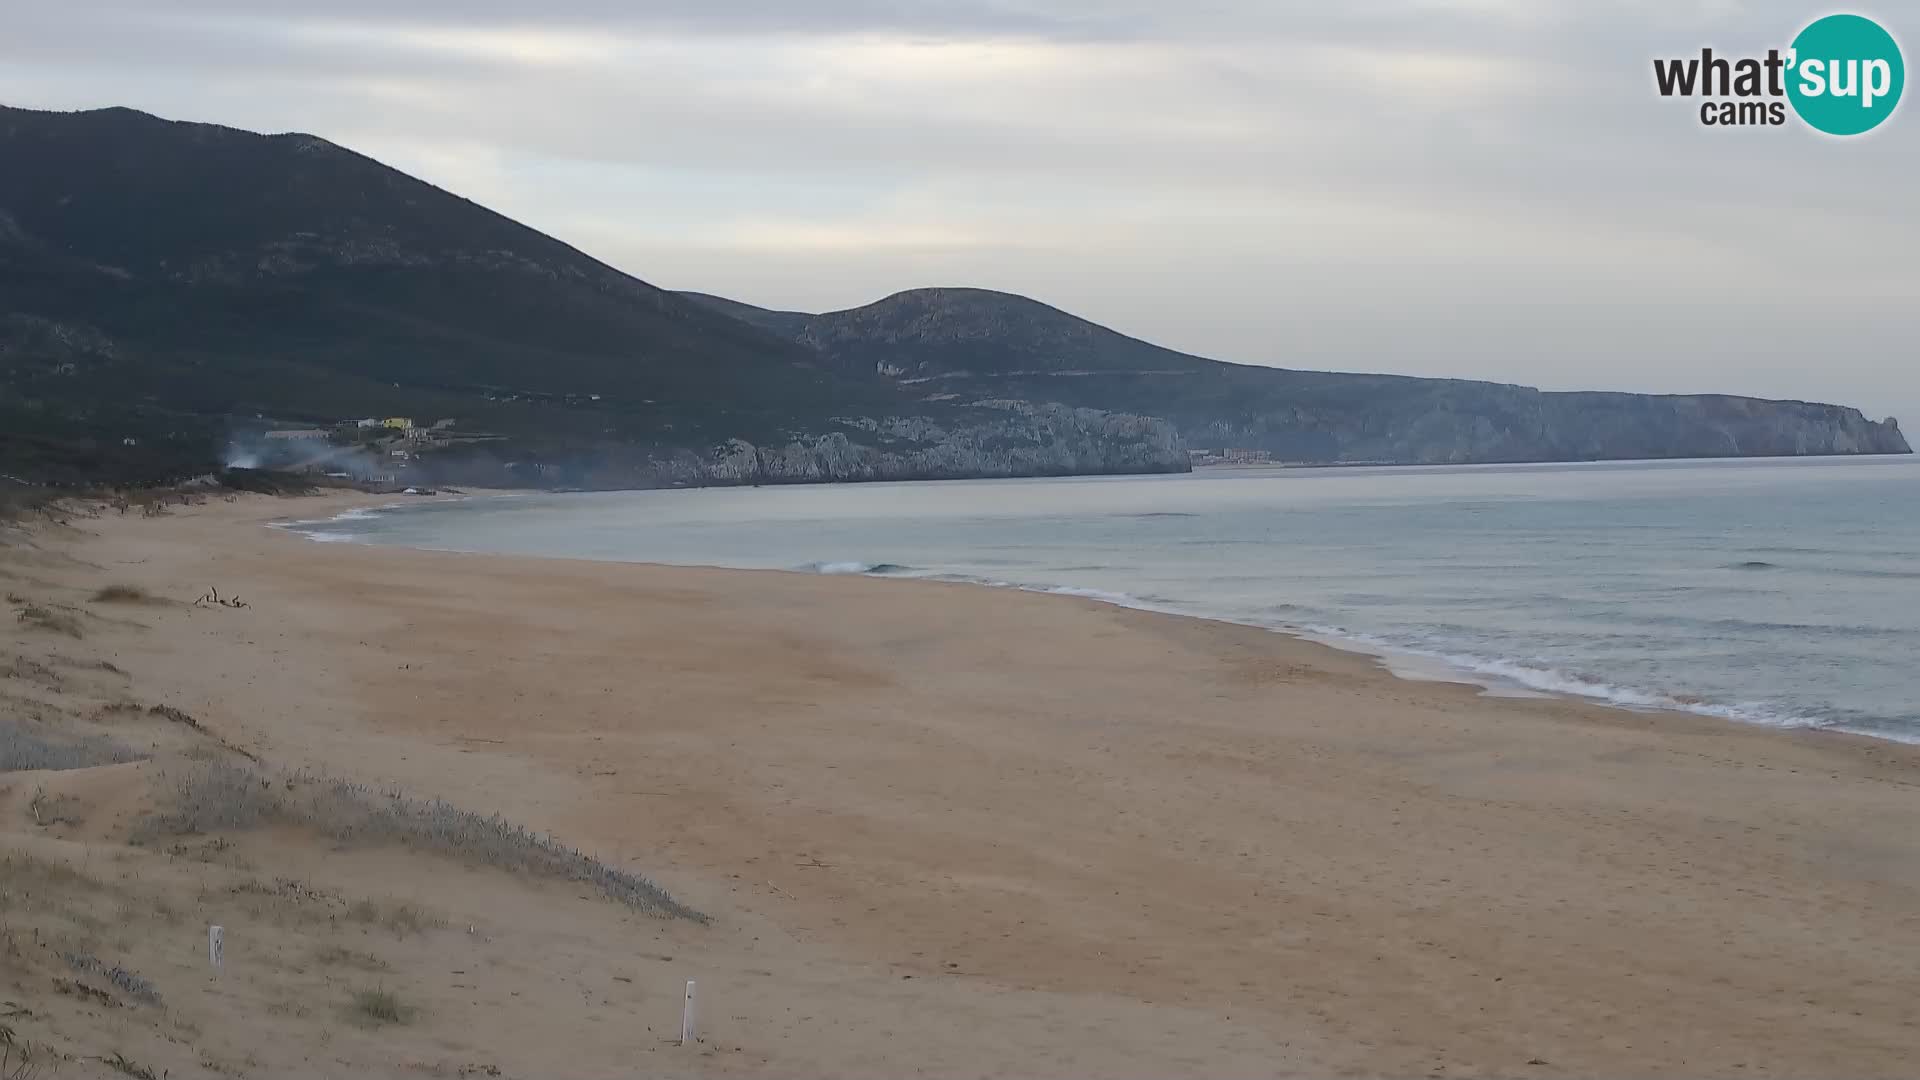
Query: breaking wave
1497, 672
327, 530
881, 568
1493, 673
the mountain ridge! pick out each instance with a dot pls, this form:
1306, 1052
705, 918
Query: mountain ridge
165, 283
983, 341
170, 288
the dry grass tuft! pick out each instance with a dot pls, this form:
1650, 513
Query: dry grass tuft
292, 890
178, 716
18, 1058
125, 981
22, 749
30, 670
225, 798
47, 618
288, 898
399, 916
379, 1008
88, 665
17, 502
51, 809
337, 956
26, 873
126, 1066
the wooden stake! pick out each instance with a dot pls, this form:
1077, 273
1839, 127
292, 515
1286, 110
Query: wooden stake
686, 1018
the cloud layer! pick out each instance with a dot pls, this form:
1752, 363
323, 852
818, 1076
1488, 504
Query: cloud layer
1484, 188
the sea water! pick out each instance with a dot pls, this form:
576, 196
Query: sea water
1782, 591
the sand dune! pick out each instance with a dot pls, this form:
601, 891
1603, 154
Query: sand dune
939, 830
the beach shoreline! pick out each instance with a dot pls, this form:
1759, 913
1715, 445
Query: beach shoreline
1125, 842
1494, 675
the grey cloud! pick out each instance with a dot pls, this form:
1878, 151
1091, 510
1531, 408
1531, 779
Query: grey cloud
814, 17
1473, 26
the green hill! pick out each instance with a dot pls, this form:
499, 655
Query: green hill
162, 281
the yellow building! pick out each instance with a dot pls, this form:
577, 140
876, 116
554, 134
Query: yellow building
397, 423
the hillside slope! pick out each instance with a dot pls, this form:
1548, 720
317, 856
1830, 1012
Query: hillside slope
162, 283
979, 342
165, 275
168, 290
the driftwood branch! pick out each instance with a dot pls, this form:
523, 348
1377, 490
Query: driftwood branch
212, 599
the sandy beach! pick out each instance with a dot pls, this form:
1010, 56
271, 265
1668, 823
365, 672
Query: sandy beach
939, 830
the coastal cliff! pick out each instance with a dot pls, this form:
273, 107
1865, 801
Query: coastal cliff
980, 342
1001, 439
1046, 440
1455, 423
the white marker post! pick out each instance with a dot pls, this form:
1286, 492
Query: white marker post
216, 945
686, 1018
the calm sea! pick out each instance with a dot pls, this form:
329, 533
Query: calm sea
1781, 592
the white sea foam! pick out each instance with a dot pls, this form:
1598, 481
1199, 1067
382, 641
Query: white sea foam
854, 567
888, 569
1103, 595
1500, 673
1498, 676
363, 513
358, 513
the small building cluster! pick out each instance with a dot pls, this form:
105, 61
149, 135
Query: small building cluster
1230, 456
372, 429
375, 448
391, 423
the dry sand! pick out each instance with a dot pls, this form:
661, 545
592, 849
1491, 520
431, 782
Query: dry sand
941, 830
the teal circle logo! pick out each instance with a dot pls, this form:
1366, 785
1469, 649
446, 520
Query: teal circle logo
1845, 75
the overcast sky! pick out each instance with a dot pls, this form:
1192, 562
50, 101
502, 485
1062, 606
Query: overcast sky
1482, 188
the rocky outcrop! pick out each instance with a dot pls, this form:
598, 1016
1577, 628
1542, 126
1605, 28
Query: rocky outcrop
1005, 438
